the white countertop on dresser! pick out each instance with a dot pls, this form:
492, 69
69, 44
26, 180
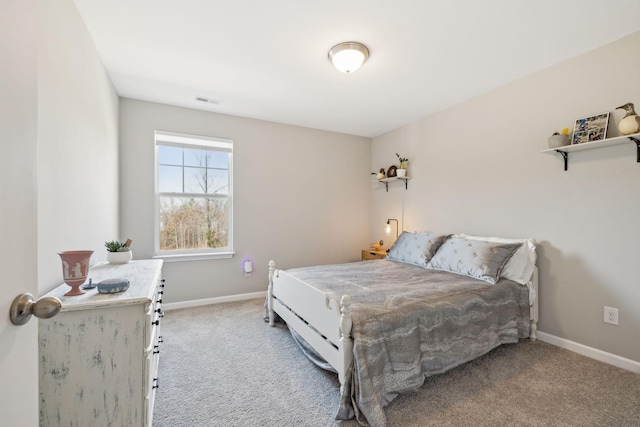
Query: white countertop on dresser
136, 271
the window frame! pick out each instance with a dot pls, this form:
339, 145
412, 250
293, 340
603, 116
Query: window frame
175, 139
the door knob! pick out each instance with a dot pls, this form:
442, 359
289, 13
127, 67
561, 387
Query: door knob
23, 306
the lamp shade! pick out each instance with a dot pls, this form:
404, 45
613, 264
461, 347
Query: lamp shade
389, 226
347, 57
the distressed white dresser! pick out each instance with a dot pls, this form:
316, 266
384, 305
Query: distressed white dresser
99, 355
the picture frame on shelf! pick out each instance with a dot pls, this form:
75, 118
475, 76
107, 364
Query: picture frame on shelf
591, 128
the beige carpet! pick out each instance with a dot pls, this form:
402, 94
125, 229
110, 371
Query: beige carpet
221, 365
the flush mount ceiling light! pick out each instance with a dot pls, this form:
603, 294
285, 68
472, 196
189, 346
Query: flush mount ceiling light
347, 57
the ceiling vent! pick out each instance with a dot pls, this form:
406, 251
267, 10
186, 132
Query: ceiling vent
208, 100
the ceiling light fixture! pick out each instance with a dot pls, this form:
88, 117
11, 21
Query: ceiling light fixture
347, 57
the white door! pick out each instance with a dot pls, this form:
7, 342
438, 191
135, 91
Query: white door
18, 221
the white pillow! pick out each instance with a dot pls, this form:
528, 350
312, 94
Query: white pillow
474, 258
520, 266
415, 248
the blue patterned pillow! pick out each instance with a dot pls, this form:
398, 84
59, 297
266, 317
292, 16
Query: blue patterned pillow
415, 248
474, 258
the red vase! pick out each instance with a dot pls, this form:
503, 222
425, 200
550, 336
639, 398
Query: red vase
75, 269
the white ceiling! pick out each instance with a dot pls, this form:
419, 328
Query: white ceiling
268, 59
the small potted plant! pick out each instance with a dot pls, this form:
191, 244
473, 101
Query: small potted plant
402, 170
118, 252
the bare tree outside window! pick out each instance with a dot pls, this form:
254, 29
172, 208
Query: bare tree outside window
192, 223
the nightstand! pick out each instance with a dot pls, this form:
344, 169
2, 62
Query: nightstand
368, 254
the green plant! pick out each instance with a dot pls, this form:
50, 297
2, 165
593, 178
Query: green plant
115, 246
403, 161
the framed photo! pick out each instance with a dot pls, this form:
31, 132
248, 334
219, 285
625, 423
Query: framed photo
589, 129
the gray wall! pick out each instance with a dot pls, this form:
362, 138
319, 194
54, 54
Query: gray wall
77, 143
301, 196
477, 168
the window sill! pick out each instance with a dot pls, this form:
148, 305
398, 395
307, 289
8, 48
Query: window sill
194, 257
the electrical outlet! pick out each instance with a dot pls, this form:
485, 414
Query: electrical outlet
610, 315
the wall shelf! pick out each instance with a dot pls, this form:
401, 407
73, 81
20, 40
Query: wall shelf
564, 151
386, 181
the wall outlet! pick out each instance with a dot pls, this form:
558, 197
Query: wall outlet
610, 315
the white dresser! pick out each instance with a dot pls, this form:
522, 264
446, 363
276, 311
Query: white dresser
99, 355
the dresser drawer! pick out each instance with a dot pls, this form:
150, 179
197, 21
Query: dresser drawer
152, 383
151, 367
154, 315
368, 254
154, 322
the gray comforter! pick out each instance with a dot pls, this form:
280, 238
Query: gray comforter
410, 322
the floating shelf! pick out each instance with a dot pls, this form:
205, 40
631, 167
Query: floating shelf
386, 181
564, 151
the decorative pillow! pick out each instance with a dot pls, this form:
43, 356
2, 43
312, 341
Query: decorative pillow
474, 258
520, 266
415, 248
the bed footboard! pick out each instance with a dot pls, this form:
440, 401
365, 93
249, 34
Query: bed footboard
323, 322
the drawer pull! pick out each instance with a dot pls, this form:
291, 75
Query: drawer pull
160, 338
157, 322
155, 385
160, 301
162, 284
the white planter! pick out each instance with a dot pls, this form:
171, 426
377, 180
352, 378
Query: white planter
119, 257
556, 141
401, 173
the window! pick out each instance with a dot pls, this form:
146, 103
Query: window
194, 192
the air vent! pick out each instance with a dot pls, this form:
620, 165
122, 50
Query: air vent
208, 100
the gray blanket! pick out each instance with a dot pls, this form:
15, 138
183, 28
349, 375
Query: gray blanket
410, 322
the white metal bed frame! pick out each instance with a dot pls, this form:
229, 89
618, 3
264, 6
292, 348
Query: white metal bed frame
324, 322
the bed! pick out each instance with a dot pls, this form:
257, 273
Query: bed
435, 302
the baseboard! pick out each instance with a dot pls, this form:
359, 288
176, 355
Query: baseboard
594, 353
209, 301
